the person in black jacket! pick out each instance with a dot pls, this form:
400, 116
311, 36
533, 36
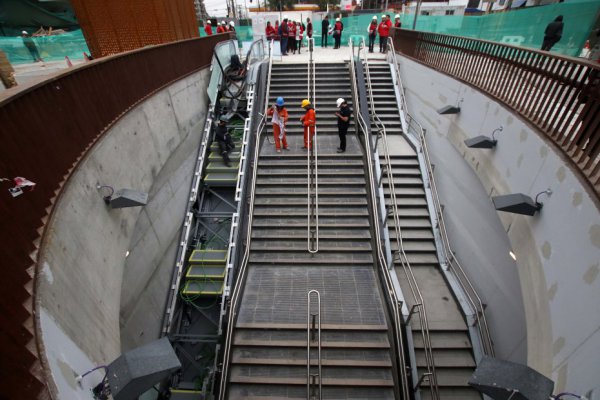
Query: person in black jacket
324, 31
225, 141
553, 33
343, 121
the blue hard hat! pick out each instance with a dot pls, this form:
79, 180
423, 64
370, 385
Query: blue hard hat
279, 101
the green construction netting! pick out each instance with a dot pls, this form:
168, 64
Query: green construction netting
51, 48
521, 27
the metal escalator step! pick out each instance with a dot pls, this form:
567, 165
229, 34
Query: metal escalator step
208, 257
219, 166
203, 288
205, 272
221, 179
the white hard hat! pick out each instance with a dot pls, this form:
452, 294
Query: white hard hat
24, 33
339, 101
337, 19
397, 16
285, 17
223, 23
231, 23
375, 17
208, 22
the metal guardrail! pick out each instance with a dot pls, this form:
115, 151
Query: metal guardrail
312, 160
394, 302
558, 95
418, 307
313, 335
241, 276
450, 258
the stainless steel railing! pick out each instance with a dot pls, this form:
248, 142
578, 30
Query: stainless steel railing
450, 258
313, 335
312, 164
241, 276
418, 306
394, 302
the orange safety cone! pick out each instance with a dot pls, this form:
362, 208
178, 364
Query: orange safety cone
85, 57
69, 63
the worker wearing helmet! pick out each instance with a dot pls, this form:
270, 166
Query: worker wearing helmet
338, 27
221, 27
372, 31
208, 28
343, 122
279, 120
309, 120
231, 26
397, 23
384, 32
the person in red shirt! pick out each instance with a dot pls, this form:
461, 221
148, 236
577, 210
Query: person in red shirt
269, 31
384, 32
337, 33
208, 28
397, 23
276, 29
309, 28
221, 27
292, 36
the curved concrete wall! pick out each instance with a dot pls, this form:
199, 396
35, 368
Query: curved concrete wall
557, 250
83, 258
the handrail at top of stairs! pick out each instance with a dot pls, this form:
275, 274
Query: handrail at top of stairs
235, 295
449, 255
312, 165
419, 304
395, 303
313, 328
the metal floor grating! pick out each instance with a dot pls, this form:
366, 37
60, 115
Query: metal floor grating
275, 294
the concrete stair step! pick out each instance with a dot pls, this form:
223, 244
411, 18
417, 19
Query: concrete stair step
275, 191
305, 258
300, 162
407, 201
323, 181
406, 191
297, 357
416, 259
324, 233
291, 212
451, 377
454, 394
260, 375
445, 340
412, 212
272, 392
303, 201
447, 358
411, 233
411, 246
300, 244
324, 222
323, 172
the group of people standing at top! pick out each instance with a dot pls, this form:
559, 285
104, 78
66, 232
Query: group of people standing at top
290, 33
221, 28
383, 29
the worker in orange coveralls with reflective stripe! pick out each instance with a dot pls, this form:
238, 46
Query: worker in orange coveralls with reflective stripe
308, 120
280, 118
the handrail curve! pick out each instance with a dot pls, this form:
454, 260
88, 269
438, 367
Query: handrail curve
395, 302
419, 304
450, 258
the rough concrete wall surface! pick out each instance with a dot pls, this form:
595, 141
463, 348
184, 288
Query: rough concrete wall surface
83, 258
153, 247
557, 250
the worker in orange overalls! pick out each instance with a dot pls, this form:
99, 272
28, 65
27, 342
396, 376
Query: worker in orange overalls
279, 119
308, 120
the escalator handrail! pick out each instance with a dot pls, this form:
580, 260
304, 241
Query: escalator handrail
235, 294
419, 305
449, 255
395, 303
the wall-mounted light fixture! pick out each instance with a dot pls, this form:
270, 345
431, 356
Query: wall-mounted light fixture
123, 197
450, 109
483, 142
519, 203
